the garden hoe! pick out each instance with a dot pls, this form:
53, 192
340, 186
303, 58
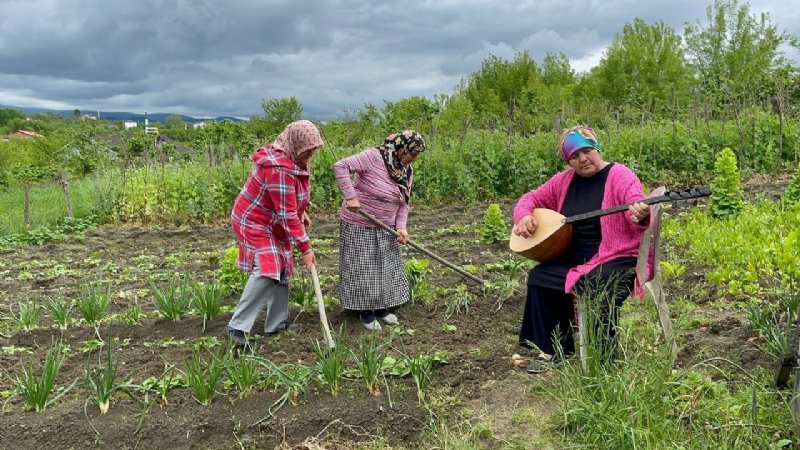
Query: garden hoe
422, 249
321, 304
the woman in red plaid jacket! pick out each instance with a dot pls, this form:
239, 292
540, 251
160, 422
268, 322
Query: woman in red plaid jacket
269, 217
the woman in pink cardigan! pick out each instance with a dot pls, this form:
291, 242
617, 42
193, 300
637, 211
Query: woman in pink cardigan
372, 276
601, 256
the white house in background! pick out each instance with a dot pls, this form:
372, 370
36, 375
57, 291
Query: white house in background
130, 124
198, 125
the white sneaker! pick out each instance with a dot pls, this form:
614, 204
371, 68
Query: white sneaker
374, 325
389, 319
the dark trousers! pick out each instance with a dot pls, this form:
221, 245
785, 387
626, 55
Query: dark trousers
549, 313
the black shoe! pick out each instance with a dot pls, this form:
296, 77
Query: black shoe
283, 326
236, 336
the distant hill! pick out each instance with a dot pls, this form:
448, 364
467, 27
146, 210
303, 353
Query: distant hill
118, 115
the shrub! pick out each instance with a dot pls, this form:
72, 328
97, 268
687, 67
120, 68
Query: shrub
726, 197
792, 194
230, 276
494, 227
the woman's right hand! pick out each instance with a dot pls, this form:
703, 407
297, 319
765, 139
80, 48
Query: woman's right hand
309, 260
352, 204
526, 226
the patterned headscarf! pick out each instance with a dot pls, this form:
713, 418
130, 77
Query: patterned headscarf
396, 145
577, 138
298, 138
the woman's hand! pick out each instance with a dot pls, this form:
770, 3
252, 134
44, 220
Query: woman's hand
306, 220
352, 204
309, 260
403, 238
526, 226
639, 212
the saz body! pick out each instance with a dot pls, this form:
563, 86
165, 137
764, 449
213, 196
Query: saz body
553, 232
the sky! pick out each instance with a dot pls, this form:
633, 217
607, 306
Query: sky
209, 58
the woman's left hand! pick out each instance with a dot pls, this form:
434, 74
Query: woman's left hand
306, 220
639, 212
403, 238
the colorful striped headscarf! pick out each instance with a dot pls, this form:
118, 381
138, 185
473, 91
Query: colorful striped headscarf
577, 138
409, 141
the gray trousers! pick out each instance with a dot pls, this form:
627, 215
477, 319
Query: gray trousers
258, 292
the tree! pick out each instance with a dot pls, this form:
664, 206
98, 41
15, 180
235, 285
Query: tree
409, 113
174, 121
76, 114
735, 52
278, 112
282, 110
8, 114
496, 89
643, 67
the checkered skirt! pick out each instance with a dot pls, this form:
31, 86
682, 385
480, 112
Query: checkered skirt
371, 270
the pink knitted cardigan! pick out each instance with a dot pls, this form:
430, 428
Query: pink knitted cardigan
620, 237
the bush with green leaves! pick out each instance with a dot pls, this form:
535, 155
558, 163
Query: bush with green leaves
726, 189
416, 269
231, 276
792, 194
494, 227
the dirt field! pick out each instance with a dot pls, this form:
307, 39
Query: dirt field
479, 343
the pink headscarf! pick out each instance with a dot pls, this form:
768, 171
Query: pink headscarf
298, 138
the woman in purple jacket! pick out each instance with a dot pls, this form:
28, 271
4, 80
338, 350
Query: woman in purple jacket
601, 255
372, 276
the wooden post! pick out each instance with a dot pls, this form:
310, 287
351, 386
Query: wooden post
26, 211
67, 197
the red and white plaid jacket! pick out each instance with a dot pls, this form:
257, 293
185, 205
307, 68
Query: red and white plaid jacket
266, 214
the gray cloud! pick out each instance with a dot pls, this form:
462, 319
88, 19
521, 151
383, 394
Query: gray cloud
204, 57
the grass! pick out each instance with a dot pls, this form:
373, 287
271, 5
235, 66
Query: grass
47, 206
639, 400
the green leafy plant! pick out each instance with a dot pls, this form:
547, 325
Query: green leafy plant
61, 312
332, 362
173, 301
416, 270
458, 302
301, 293
420, 367
231, 277
792, 194
133, 313
776, 321
292, 378
101, 383
36, 391
494, 227
163, 384
369, 360
726, 189
207, 298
